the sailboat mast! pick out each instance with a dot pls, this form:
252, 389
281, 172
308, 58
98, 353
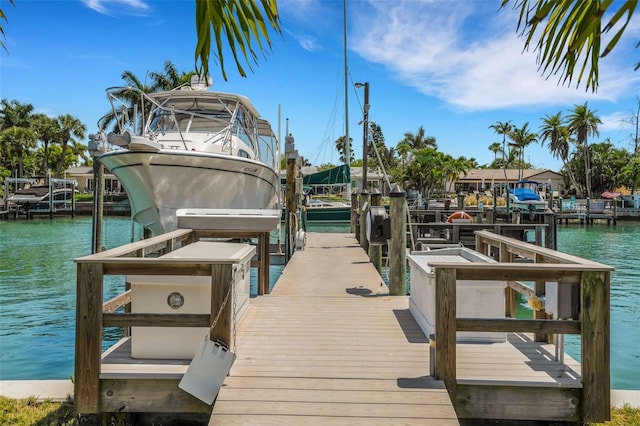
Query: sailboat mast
346, 98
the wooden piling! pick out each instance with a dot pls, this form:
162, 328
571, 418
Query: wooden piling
398, 243
363, 210
88, 337
375, 250
221, 285
595, 343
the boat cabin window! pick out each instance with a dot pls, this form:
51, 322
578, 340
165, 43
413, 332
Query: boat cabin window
243, 153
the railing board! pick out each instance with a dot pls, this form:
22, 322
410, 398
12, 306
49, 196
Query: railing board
492, 239
120, 300
177, 235
510, 402
155, 320
148, 396
518, 325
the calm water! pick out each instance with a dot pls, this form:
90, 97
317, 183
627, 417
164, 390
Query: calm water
617, 246
37, 291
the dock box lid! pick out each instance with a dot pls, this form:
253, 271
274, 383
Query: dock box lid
214, 251
423, 259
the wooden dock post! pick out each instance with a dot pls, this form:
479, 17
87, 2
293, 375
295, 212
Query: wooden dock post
88, 337
375, 250
595, 344
363, 210
354, 213
221, 284
398, 243
290, 193
446, 329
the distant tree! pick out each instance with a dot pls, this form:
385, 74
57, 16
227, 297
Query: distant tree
15, 114
495, 148
522, 137
70, 129
377, 147
47, 130
326, 166
170, 79
633, 121
503, 128
554, 130
630, 174
582, 123
419, 140
17, 142
341, 146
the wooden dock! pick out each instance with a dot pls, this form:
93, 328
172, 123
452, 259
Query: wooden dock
330, 346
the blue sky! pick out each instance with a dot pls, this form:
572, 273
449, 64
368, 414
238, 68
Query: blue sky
453, 67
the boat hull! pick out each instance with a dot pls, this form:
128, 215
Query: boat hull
160, 183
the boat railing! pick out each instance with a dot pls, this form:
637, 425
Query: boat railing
591, 281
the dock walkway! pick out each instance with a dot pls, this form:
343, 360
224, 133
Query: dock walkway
330, 346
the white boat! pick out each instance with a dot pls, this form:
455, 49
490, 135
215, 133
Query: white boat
526, 195
36, 193
191, 148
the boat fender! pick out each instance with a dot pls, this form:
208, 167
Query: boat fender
532, 212
301, 239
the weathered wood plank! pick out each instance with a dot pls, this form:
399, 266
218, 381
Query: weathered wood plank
504, 402
148, 396
518, 325
222, 281
446, 328
156, 320
133, 248
120, 300
88, 342
595, 357
230, 420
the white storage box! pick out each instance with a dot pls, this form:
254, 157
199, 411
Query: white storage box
474, 299
151, 294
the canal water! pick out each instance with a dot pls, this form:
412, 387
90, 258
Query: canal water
37, 291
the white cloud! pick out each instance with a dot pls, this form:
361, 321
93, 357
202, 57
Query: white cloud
307, 42
472, 63
105, 6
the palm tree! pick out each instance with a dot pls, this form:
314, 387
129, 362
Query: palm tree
554, 131
522, 138
171, 79
573, 32
342, 147
47, 130
240, 22
503, 128
582, 123
70, 127
495, 148
419, 140
17, 141
15, 114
